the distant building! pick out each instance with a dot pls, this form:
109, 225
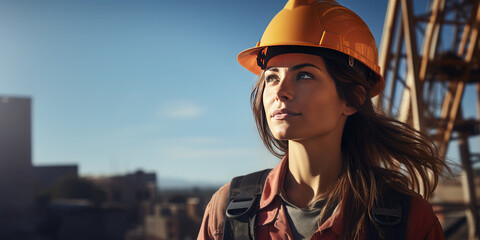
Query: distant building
46, 177
173, 220
16, 177
116, 217
76, 219
128, 190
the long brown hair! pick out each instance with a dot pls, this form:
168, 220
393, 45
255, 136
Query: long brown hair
376, 151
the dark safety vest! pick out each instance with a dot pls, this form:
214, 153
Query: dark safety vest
390, 213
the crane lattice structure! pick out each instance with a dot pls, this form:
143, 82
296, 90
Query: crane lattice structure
428, 59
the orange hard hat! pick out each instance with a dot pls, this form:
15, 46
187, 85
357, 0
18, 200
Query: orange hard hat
323, 24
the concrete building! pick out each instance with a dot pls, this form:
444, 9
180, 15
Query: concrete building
16, 177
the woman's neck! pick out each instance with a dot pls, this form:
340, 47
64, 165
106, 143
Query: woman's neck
313, 166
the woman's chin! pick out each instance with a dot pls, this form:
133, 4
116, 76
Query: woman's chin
283, 136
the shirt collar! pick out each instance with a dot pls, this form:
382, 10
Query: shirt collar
335, 222
274, 183
274, 186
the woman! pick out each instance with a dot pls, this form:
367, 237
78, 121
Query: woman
342, 163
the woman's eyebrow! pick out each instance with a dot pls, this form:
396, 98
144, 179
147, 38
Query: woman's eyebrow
299, 66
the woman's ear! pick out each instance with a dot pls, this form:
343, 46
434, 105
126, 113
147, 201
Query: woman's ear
349, 110
361, 95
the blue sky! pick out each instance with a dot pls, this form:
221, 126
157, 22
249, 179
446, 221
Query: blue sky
154, 85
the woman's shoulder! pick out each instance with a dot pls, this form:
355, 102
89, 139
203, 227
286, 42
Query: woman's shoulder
214, 216
422, 221
421, 209
219, 198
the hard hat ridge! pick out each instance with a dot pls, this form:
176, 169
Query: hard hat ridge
296, 3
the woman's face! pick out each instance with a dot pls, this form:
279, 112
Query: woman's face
300, 98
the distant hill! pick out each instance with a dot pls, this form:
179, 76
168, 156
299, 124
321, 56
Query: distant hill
178, 183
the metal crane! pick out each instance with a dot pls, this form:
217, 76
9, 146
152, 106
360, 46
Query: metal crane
428, 59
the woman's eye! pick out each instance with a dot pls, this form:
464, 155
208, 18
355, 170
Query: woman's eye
304, 75
271, 78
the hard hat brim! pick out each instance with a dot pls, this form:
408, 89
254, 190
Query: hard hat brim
248, 59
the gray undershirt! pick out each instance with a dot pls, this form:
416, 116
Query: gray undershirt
305, 221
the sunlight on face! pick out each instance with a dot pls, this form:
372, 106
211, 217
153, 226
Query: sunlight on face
300, 98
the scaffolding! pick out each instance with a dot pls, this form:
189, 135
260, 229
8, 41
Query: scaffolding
428, 59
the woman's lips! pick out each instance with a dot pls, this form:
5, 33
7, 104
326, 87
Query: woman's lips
281, 114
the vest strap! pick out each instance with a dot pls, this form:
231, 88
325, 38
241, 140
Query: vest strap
244, 197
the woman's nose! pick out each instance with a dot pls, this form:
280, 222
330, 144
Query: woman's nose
284, 91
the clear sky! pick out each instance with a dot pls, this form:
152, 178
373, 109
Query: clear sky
141, 84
